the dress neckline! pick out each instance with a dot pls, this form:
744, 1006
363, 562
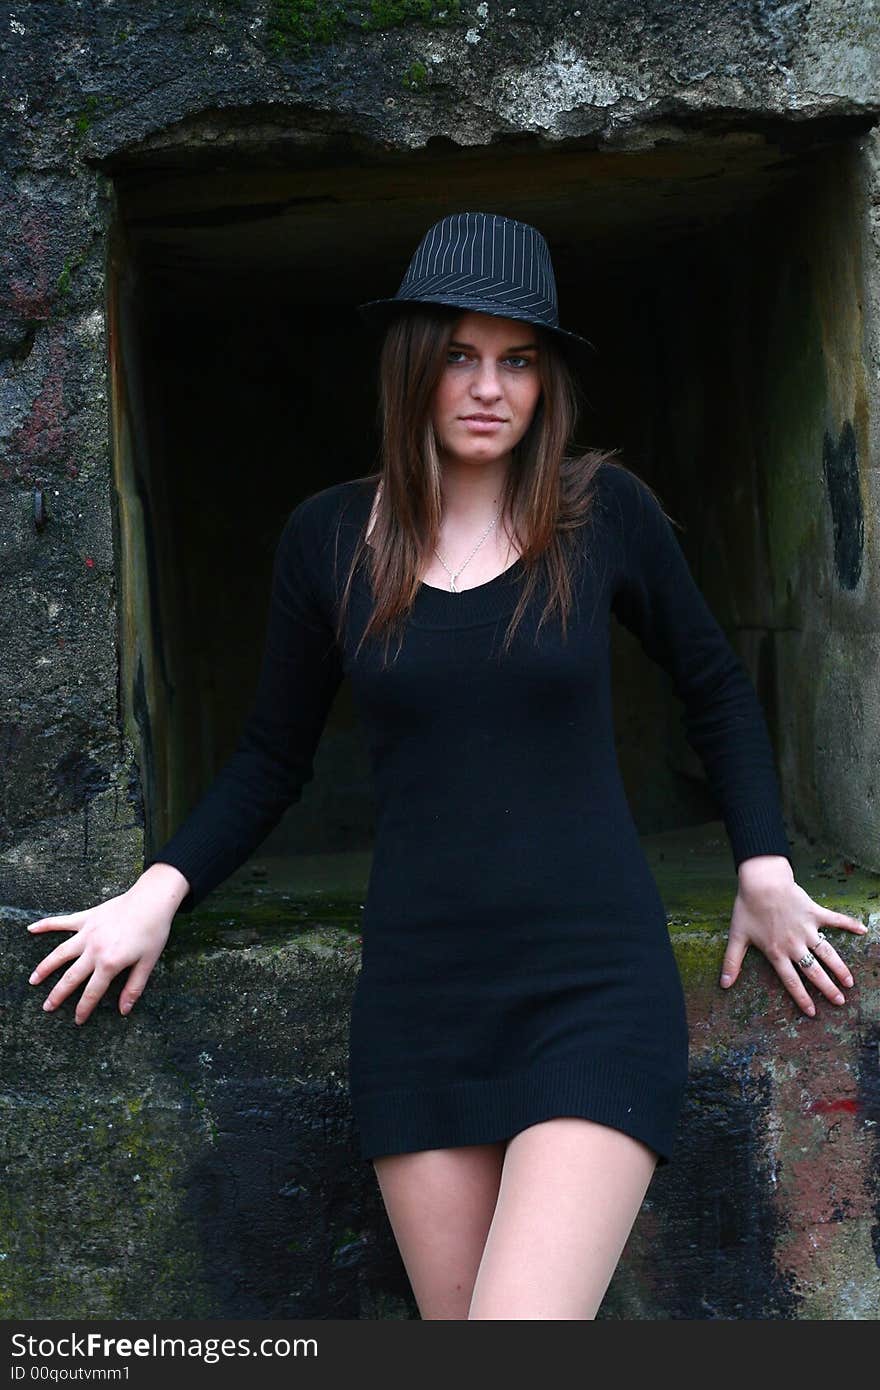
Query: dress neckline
442, 608
485, 584
483, 603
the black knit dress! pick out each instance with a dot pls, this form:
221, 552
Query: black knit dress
516, 960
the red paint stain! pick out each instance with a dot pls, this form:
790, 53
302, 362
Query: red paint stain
90, 562
846, 1105
41, 437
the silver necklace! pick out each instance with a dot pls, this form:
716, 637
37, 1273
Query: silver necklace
453, 577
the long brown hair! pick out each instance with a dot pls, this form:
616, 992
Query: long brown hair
547, 495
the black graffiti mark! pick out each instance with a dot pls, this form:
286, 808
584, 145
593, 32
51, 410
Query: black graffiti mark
841, 469
719, 1222
869, 1119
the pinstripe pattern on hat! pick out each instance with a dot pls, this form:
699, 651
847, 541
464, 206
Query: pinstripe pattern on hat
485, 262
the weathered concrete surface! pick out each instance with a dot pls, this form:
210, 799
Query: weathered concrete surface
198, 1158
119, 72
704, 104
93, 88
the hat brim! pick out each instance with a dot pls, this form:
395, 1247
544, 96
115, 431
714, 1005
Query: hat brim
380, 312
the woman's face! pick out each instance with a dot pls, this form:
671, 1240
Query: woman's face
491, 371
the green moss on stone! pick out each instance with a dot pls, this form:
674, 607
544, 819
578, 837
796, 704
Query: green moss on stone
272, 924
297, 24
84, 119
415, 77
110, 1174
699, 956
62, 285
390, 14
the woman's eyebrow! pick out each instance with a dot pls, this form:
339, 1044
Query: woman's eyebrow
522, 347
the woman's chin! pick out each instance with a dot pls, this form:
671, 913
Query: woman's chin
477, 451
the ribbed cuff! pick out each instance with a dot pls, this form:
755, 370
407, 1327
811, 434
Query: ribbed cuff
756, 830
202, 860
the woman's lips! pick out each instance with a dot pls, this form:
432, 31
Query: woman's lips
481, 426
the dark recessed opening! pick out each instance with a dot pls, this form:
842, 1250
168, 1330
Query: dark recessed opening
244, 380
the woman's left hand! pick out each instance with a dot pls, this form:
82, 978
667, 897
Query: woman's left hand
774, 913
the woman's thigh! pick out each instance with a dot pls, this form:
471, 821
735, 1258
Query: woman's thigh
440, 1204
570, 1193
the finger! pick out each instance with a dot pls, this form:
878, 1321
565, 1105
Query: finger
93, 992
81, 968
68, 950
69, 921
134, 985
794, 984
817, 976
825, 952
733, 959
840, 919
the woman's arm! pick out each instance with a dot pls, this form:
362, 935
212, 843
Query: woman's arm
657, 598
659, 601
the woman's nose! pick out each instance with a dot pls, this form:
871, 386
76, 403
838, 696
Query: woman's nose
487, 381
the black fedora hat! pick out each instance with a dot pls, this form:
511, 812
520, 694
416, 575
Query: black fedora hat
485, 262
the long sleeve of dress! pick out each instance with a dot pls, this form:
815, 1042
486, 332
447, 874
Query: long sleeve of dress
657, 599
272, 760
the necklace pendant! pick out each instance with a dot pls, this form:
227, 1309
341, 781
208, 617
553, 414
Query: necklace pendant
452, 577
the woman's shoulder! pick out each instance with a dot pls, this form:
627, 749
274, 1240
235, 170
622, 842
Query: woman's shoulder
635, 525
315, 518
630, 501
617, 483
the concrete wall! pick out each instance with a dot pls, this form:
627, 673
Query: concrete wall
198, 1159
397, 114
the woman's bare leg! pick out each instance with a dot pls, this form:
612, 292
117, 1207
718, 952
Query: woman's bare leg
570, 1193
440, 1204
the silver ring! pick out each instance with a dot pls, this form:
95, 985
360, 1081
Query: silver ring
806, 961
821, 941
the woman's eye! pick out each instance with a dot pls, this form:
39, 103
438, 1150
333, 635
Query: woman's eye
459, 352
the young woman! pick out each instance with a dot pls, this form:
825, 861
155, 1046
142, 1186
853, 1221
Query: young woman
518, 1048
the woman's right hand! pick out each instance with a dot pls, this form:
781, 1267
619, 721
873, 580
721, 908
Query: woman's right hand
128, 930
